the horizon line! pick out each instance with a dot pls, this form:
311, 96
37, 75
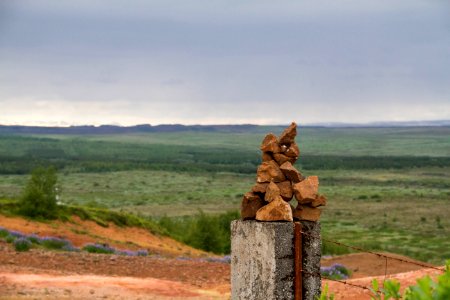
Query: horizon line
439, 122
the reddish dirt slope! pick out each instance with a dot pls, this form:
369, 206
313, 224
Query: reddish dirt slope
81, 232
366, 264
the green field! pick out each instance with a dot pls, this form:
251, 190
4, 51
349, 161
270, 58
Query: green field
388, 188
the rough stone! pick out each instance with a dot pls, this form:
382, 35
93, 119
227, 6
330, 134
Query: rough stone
286, 190
262, 263
260, 187
277, 210
266, 156
270, 144
251, 203
320, 200
307, 213
291, 172
306, 190
272, 192
269, 171
281, 158
287, 137
293, 151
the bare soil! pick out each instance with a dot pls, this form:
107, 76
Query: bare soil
41, 274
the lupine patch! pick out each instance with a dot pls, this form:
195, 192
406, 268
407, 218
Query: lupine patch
99, 248
22, 244
336, 271
55, 243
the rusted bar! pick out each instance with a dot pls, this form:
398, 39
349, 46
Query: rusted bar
298, 261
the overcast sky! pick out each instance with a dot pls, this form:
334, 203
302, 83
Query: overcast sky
228, 61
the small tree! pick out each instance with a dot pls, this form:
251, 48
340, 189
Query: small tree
39, 197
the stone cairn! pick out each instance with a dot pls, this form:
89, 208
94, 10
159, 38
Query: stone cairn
277, 181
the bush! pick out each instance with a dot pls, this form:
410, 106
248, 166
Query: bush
22, 244
206, 232
425, 289
54, 243
39, 197
3, 232
99, 248
336, 271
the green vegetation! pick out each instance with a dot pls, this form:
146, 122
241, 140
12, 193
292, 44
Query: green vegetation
425, 289
39, 198
22, 244
388, 188
206, 232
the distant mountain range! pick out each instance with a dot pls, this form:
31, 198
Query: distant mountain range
385, 124
113, 129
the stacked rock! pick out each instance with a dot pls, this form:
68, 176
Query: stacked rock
278, 181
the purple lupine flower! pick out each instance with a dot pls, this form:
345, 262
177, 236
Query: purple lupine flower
22, 244
17, 234
99, 248
336, 271
51, 242
142, 252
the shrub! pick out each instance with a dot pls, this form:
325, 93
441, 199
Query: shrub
34, 239
3, 232
10, 239
54, 243
39, 197
336, 271
22, 244
99, 248
425, 289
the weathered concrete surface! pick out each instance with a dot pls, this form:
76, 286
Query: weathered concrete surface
262, 260
311, 254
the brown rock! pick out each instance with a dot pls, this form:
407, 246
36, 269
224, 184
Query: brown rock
320, 200
285, 190
291, 172
251, 203
287, 137
307, 213
280, 158
266, 156
270, 144
306, 190
277, 210
293, 151
269, 171
272, 192
260, 188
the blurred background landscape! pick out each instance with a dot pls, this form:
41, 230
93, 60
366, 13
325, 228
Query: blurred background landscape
388, 187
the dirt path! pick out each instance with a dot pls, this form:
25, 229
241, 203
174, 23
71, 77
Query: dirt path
46, 286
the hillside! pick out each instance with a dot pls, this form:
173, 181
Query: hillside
171, 271
81, 232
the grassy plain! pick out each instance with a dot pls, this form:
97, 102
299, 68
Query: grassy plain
403, 209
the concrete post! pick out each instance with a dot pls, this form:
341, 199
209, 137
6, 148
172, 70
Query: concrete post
262, 260
311, 255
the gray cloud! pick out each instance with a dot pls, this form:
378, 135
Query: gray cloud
223, 61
